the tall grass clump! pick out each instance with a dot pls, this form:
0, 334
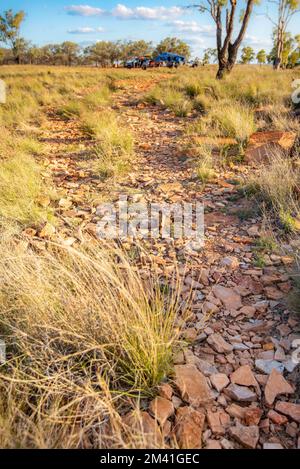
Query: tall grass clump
85, 336
235, 121
168, 96
70, 110
204, 163
97, 98
21, 185
277, 184
114, 144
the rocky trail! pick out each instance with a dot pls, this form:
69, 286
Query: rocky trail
236, 384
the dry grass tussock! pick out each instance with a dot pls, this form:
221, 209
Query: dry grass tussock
277, 185
86, 337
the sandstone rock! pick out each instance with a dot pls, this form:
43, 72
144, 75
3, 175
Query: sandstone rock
252, 416
213, 444
217, 342
273, 293
166, 391
161, 409
248, 311
170, 187
276, 418
265, 425
205, 367
289, 409
192, 385
226, 444
246, 436
231, 263
275, 386
266, 366
218, 421
149, 426
292, 429
230, 299
143, 422
219, 381
240, 393
236, 411
48, 231
273, 446
208, 308
262, 143
189, 425
244, 376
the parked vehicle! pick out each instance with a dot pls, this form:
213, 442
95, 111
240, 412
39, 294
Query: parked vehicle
171, 60
166, 59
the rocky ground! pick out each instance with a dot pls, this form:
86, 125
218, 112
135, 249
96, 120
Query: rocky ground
235, 384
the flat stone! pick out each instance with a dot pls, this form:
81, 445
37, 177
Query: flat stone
280, 354
192, 385
258, 326
171, 187
290, 365
248, 311
273, 293
161, 409
291, 410
189, 426
240, 393
272, 446
213, 444
205, 367
276, 418
244, 376
262, 143
276, 386
230, 299
220, 345
145, 424
252, 416
219, 381
166, 391
218, 421
226, 444
236, 411
209, 307
246, 436
266, 366
229, 262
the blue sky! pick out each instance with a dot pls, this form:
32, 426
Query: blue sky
83, 22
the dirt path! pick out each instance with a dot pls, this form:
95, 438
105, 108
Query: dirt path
246, 347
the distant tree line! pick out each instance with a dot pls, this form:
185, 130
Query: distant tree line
100, 54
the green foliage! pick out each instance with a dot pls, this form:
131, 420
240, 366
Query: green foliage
20, 188
248, 55
261, 57
174, 45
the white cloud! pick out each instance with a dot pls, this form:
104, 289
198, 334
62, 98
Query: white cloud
192, 27
256, 41
85, 30
84, 10
145, 13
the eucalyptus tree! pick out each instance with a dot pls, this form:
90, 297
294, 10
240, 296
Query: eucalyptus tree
226, 15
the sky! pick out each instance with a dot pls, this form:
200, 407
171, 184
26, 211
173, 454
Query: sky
53, 21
